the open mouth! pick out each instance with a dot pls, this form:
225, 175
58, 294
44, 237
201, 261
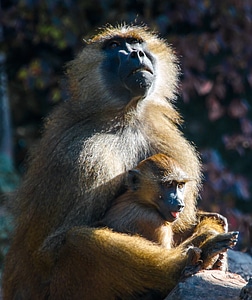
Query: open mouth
175, 214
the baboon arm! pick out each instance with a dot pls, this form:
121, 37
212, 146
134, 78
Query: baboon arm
101, 264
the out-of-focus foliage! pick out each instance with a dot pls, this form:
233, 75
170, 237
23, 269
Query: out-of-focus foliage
8, 177
213, 40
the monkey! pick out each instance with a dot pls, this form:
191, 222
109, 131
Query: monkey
121, 110
152, 202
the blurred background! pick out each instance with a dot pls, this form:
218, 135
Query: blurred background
213, 40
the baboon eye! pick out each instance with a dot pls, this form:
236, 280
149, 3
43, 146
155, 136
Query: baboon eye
113, 44
169, 183
181, 185
134, 41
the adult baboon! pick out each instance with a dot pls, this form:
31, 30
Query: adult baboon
122, 87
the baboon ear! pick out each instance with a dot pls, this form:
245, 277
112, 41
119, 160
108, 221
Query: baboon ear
134, 179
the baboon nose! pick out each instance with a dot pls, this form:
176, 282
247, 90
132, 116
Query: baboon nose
180, 207
137, 54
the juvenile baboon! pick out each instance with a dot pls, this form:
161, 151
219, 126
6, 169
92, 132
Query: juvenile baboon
152, 202
121, 111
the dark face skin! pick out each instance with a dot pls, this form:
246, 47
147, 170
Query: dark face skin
171, 200
129, 67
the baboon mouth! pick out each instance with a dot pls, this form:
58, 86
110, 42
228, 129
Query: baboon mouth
141, 69
175, 214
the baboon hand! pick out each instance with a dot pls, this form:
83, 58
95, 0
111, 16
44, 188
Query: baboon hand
193, 263
217, 245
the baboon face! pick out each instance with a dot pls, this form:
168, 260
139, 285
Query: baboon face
159, 183
129, 65
171, 199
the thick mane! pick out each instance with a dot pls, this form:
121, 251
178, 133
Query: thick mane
166, 69
120, 111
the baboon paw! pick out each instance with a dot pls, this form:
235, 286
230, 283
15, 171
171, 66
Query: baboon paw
218, 244
231, 238
225, 241
193, 264
193, 255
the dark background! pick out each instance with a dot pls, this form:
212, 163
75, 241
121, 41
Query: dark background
213, 40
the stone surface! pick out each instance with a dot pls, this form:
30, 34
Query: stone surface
210, 285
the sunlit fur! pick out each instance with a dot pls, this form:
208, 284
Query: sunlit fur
155, 118
137, 211
76, 171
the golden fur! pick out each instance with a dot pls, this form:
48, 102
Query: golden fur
76, 171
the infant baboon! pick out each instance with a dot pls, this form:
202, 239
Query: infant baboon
152, 203
153, 200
